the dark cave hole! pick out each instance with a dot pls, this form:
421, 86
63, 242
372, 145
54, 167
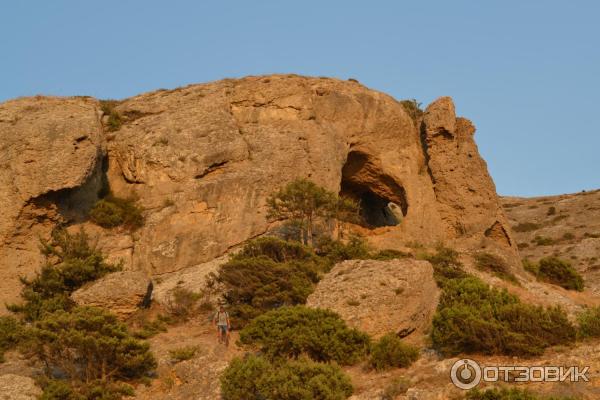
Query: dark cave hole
381, 199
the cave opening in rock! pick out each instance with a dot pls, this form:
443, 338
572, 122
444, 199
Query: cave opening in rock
381, 199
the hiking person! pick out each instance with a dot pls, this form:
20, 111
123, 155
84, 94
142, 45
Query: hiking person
221, 321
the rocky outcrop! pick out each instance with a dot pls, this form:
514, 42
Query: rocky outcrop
50, 170
16, 387
202, 160
465, 193
379, 297
122, 292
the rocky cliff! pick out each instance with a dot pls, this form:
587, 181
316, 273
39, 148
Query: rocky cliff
203, 158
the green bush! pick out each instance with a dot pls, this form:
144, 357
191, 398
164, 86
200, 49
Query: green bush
560, 272
495, 265
115, 120
71, 262
446, 265
509, 394
412, 108
293, 331
543, 241
472, 317
276, 249
589, 322
255, 378
526, 227
183, 353
551, 210
55, 389
10, 334
181, 303
391, 352
395, 388
89, 343
112, 211
335, 251
390, 254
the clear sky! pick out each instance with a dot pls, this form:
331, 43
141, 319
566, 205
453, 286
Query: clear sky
527, 73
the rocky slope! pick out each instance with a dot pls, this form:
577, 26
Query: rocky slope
202, 159
566, 226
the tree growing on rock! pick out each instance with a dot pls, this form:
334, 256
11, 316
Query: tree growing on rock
305, 203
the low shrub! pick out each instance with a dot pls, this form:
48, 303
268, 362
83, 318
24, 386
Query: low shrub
256, 378
113, 211
114, 120
71, 262
568, 236
182, 303
412, 108
56, 389
495, 265
391, 352
589, 322
472, 317
390, 254
560, 272
335, 251
183, 353
276, 249
543, 241
293, 331
551, 211
395, 388
526, 227
10, 334
446, 265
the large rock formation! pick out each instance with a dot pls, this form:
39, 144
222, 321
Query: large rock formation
380, 297
202, 159
16, 387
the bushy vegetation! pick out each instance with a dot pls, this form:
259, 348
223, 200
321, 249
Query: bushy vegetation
115, 120
589, 322
412, 108
112, 211
183, 353
10, 334
256, 378
526, 227
391, 352
556, 271
543, 241
182, 303
294, 331
496, 265
446, 265
472, 317
509, 394
255, 285
395, 388
88, 345
71, 262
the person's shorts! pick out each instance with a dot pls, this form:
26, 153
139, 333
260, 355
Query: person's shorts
222, 328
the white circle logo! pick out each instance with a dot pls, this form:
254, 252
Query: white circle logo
465, 374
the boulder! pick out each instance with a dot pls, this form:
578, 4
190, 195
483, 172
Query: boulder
379, 297
16, 387
122, 292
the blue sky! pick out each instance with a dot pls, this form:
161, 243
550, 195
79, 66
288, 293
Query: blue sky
527, 73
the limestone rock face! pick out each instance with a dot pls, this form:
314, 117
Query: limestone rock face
465, 193
202, 160
16, 387
50, 155
380, 297
121, 292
